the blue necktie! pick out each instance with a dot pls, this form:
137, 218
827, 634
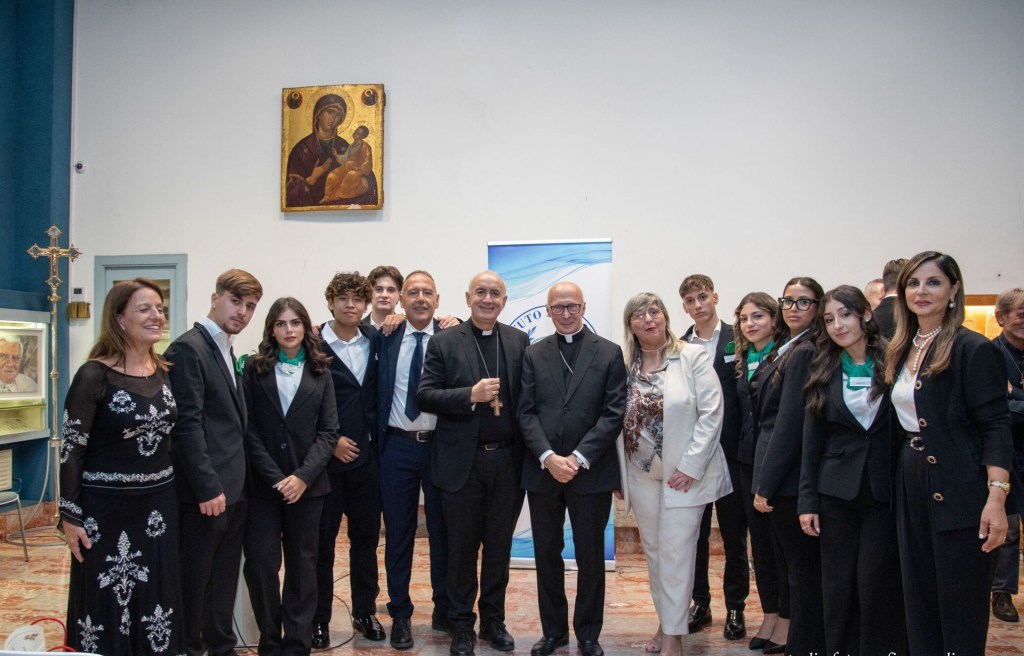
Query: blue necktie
415, 371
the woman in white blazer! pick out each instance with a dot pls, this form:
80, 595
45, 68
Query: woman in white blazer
672, 463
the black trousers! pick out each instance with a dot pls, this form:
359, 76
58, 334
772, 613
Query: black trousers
284, 617
356, 495
211, 555
946, 576
803, 566
588, 515
860, 564
1007, 569
482, 514
769, 571
732, 523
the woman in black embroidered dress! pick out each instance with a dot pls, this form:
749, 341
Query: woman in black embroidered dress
119, 510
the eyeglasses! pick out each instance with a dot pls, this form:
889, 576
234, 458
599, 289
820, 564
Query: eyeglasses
559, 310
801, 304
653, 314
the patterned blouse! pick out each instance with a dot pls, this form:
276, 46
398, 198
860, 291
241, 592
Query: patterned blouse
116, 433
643, 428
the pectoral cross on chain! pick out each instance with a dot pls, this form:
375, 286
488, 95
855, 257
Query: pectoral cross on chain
497, 405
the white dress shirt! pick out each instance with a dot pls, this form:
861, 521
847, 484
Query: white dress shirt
425, 421
710, 345
288, 378
354, 353
223, 342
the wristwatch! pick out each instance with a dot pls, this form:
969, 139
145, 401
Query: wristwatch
1002, 485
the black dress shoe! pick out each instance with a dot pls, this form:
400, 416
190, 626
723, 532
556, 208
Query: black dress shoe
462, 644
546, 645
498, 636
700, 616
591, 648
1002, 607
773, 648
439, 621
401, 633
758, 643
321, 636
369, 627
735, 627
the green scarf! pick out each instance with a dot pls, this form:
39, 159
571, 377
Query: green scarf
854, 370
758, 357
299, 358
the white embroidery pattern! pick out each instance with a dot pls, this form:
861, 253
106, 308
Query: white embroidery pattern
159, 628
156, 526
149, 430
71, 507
168, 397
89, 634
122, 402
92, 529
123, 574
72, 437
118, 477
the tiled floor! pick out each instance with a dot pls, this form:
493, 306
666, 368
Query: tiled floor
36, 589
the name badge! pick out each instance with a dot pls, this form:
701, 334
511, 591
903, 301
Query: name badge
860, 381
730, 358
751, 366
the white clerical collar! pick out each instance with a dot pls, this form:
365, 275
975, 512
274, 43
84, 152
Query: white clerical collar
568, 338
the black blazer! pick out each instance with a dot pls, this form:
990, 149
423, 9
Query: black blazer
387, 364
839, 454
208, 440
964, 419
356, 404
585, 416
732, 420
299, 442
746, 395
781, 413
884, 316
450, 369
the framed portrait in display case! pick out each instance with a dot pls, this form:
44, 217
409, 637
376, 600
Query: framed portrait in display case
22, 364
332, 147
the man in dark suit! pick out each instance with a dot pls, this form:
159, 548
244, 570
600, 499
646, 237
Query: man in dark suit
405, 437
352, 471
570, 412
471, 381
883, 315
700, 302
208, 449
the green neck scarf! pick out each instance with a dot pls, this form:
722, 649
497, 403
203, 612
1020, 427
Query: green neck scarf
757, 357
299, 358
854, 370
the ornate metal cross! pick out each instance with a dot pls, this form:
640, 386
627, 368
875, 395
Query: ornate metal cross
54, 252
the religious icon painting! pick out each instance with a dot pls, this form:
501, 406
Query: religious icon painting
332, 148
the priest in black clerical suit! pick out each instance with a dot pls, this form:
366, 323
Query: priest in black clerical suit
471, 382
570, 413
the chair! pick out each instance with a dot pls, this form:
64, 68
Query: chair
7, 497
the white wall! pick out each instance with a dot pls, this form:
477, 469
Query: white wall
750, 140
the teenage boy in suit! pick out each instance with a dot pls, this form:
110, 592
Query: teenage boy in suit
352, 471
208, 450
700, 302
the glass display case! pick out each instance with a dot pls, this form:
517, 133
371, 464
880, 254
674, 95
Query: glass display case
980, 314
24, 375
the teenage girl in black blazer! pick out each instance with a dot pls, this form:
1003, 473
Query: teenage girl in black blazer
845, 483
758, 333
777, 465
292, 432
953, 422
